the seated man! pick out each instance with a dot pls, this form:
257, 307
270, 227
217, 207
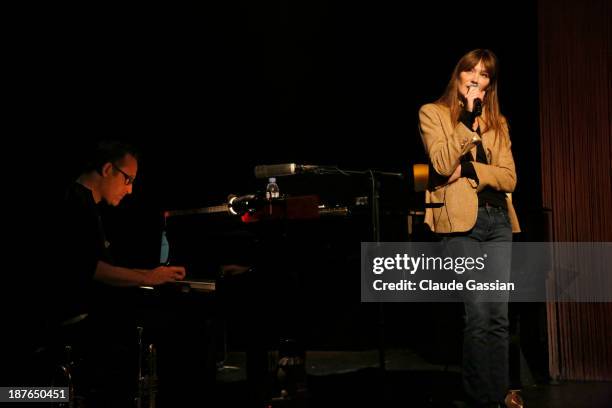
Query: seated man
88, 274
108, 177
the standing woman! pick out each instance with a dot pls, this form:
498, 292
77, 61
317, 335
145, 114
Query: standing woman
471, 175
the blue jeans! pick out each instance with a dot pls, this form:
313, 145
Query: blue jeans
485, 338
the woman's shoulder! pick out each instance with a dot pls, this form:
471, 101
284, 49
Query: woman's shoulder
434, 107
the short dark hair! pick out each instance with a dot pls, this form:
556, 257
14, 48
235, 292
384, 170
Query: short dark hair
106, 151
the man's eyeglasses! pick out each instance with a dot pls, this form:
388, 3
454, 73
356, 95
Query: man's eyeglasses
128, 179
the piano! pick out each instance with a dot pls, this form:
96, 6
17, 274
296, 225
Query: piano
302, 259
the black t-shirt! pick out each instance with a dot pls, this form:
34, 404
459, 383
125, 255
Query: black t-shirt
83, 244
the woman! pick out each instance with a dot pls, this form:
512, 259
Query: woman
471, 175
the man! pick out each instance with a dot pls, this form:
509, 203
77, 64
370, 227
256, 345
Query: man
108, 176
91, 287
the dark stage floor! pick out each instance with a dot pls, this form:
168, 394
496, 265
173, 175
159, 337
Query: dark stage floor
350, 378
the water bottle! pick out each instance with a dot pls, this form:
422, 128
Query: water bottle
272, 190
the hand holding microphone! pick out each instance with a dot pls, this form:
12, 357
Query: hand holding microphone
474, 97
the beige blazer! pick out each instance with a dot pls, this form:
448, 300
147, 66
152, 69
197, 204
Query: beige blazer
445, 143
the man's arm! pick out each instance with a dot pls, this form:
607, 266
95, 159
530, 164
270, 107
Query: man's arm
119, 276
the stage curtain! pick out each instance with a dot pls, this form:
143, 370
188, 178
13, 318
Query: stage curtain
575, 133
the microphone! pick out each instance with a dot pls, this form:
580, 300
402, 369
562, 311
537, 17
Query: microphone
477, 110
278, 170
477, 107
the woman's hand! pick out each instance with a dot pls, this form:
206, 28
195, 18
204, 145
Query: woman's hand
470, 93
455, 176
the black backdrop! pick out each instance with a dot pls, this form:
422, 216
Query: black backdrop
207, 94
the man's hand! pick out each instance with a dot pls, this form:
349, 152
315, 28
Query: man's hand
120, 276
455, 176
233, 269
164, 274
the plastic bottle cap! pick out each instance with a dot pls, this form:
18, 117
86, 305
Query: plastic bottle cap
272, 180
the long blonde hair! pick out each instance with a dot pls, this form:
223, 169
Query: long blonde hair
451, 98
